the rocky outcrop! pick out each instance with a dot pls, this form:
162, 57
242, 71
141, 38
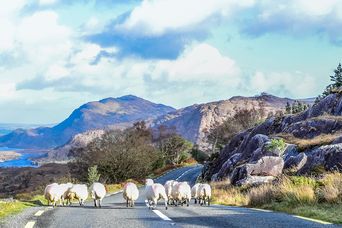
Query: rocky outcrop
78, 141
247, 159
195, 122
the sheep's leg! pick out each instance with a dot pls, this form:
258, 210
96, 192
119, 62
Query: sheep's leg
132, 203
195, 201
208, 201
100, 203
155, 202
187, 202
127, 202
95, 203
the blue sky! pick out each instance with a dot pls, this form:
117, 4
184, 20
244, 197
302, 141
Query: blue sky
57, 54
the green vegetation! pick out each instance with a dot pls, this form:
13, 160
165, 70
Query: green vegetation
276, 144
93, 175
335, 86
296, 107
9, 208
318, 198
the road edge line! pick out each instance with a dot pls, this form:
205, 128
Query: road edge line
313, 220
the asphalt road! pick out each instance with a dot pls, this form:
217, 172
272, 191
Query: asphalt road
115, 214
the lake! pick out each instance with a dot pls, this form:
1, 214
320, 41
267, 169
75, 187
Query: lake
22, 161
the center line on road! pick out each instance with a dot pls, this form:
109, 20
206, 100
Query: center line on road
161, 215
30, 224
39, 213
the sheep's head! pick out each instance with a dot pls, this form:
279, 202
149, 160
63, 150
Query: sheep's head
149, 182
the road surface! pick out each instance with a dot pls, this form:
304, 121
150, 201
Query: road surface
115, 214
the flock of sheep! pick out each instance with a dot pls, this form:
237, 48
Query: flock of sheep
173, 193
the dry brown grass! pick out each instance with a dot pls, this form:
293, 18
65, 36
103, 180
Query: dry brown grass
261, 195
304, 144
295, 194
224, 193
331, 192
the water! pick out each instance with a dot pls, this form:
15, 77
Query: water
22, 161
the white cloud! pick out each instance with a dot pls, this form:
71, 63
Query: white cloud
293, 84
47, 2
155, 17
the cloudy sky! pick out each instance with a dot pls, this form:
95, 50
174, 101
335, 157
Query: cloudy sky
56, 55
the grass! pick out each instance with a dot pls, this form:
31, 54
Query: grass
9, 208
304, 144
305, 196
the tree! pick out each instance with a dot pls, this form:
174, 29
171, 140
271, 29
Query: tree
120, 155
336, 84
93, 175
337, 77
288, 108
175, 149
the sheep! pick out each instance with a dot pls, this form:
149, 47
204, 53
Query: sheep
98, 192
154, 192
194, 192
181, 193
52, 194
63, 188
130, 193
204, 192
79, 192
168, 189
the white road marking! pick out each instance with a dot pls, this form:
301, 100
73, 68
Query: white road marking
114, 193
39, 213
263, 210
161, 215
313, 220
30, 224
185, 173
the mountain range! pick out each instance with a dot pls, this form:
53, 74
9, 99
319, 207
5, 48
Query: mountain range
104, 114
192, 122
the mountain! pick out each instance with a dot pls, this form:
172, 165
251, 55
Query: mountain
313, 144
194, 122
6, 128
104, 114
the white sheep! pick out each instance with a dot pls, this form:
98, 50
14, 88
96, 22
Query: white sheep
130, 193
204, 192
194, 192
52, 194
154, 192
63, 188
79, 192
168, 189
97, 192
181, 193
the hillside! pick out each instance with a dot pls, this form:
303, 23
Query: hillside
313, 145
107, 113
194, 122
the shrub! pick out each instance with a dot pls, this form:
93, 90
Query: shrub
276, 144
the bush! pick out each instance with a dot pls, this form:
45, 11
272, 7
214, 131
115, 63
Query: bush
276, 144
199, 155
